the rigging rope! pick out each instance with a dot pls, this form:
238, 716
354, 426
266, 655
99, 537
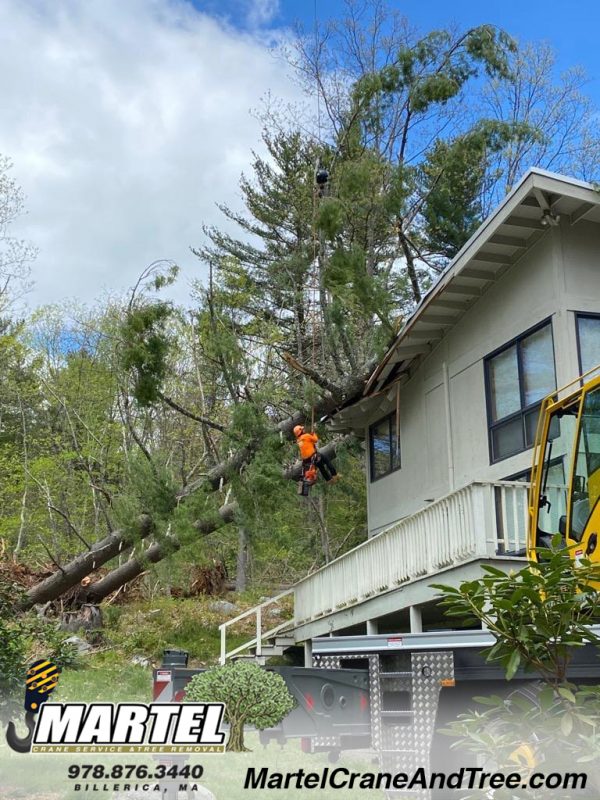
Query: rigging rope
314, 280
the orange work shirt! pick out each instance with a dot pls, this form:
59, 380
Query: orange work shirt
307, 443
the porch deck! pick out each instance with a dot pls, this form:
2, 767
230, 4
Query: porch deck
447, 541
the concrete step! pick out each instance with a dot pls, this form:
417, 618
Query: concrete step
271, 647
260, 660
269, 650
284, 641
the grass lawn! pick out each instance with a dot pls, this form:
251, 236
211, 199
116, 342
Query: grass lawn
38, 777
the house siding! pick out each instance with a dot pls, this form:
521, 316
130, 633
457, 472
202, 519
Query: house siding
557, 277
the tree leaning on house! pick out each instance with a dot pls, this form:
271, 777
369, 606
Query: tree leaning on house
252, 696
300, 304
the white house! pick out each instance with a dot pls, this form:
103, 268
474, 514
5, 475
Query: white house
516, 315
449, 417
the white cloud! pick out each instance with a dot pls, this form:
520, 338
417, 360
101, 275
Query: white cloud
127, 120
262, 12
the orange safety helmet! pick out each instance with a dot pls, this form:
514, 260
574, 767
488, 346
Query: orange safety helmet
298, 430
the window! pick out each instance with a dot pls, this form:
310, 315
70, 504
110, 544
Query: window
588, 340
552, 514
384, 447
586, 477
518, 377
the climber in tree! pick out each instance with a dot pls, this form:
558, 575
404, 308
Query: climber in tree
307, 444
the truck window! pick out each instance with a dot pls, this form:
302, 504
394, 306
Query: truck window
586, 477
557, 468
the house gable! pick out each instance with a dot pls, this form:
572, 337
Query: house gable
433, 377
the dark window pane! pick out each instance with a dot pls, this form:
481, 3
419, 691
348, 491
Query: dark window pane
538, 365
531, 420
555, 491
507, 438
380, 448
587, 467
385, 450
518, 378
504, 384
395, 445
589, 342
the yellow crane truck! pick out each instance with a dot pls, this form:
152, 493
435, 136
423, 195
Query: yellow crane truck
565, 481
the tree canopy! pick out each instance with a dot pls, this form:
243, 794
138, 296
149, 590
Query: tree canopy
133, 431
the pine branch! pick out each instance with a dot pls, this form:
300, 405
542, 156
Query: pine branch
203, 420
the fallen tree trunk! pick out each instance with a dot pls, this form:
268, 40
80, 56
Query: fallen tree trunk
156, 552
112, 545
73, 572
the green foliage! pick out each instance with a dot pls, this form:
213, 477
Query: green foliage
23, 638
538, 614
330, 217
150, 490
51, 642
13, 644
145, 349
453, 175
534, 728
435, 69
12, 659
252, 696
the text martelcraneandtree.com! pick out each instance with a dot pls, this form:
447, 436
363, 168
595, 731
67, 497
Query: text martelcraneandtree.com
463, 778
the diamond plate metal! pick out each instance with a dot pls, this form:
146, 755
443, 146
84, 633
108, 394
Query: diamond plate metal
402, 740
334, 662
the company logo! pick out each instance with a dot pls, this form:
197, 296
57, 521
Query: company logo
40, 682
112, 728
129, 728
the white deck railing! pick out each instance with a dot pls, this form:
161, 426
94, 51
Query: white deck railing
480, 521
261, 633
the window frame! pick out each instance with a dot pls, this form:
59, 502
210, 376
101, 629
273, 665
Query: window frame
388, 418
524, 410
582, 315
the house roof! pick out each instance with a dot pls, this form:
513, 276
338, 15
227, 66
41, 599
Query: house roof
525, 215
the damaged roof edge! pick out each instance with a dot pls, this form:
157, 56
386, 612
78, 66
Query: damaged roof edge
534, 178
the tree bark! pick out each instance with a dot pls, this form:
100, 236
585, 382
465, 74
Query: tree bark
101, 552
130, 569
243, 555
235, 743
410, 266
156, 552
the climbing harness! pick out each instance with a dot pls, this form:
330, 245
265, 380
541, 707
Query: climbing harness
309, 476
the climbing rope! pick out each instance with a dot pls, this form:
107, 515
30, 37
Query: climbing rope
313, 293
315, 264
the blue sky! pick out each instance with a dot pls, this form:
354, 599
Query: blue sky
572, 28
127, 121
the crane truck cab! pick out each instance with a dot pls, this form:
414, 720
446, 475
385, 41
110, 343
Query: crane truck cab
565, 480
